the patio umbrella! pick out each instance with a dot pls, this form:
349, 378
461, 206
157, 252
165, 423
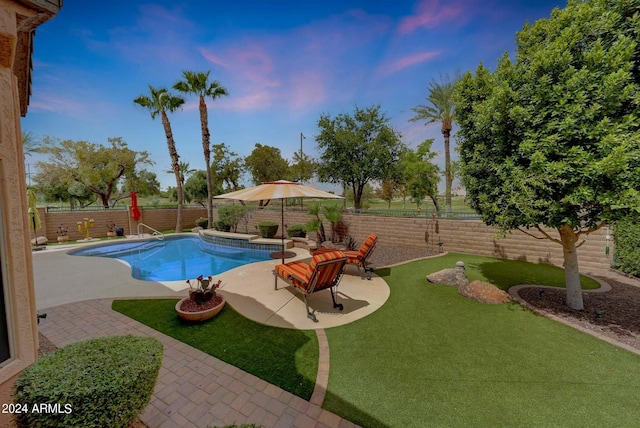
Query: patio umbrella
280, 189
34, 216
135, 211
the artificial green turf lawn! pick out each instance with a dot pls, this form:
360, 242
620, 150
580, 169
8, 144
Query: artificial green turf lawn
284, 357
505, 273
430, 357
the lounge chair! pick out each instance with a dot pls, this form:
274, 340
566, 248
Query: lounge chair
359, 258
324, 271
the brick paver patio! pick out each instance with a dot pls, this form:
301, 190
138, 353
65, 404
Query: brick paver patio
195, 389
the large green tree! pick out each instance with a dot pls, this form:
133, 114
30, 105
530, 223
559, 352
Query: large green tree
195, 188
144, 183
226, 169
356, 149
95, 167
553, 139
198, 84
265, 163
160, 101
441, 109
419, 176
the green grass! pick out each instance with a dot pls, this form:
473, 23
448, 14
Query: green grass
286, 358
500, 272
430, 357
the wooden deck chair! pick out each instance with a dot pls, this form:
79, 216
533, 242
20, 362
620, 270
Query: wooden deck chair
359, 258
324, 271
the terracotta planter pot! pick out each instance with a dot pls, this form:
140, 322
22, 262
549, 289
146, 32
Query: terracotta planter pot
111, 234
63, 238
199, 316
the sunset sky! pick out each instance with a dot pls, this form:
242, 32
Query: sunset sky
284, 63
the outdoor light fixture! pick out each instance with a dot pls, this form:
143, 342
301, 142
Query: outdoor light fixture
540, 292
41, 316
598, 313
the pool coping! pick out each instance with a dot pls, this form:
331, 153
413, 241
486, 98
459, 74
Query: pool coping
61, 278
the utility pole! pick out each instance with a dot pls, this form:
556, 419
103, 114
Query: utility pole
301, 171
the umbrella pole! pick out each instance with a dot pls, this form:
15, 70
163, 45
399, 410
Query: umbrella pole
282, 222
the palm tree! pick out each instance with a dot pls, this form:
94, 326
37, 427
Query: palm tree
198, 84
441, 110
160, 102
185, 170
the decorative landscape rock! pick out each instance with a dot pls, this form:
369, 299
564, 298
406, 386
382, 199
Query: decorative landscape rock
453, 277
484, 292
40, 240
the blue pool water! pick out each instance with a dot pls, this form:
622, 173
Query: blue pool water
175, 258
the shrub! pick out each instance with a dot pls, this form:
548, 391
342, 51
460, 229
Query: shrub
350, 243
268, 229
232, 215
104, 382
221, 226
202, 222
627, 251
296, 231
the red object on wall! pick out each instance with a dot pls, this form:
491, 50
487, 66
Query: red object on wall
135, 211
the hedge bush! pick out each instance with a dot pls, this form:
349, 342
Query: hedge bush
202, 222
104, 382
296, 231
627, 241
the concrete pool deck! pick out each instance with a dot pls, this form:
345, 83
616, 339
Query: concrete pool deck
61, 279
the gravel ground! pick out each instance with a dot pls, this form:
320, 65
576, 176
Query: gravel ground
387, 255
614, 314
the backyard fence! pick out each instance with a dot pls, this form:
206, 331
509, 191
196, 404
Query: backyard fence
458, 233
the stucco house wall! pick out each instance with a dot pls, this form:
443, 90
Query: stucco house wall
18, 20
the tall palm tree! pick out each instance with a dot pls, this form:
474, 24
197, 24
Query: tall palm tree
185, 170
160, 101
198, 84
441, 110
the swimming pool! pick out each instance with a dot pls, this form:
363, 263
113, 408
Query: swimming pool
175, 258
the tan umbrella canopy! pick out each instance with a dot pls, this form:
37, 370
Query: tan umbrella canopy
280, 189
34, 216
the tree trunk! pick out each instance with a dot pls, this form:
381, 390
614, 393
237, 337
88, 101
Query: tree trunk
448, 177
204, 126
175, 165
571, 271
434, 199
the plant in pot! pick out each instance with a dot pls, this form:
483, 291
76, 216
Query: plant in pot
203, 302
111, 229
63, 233
268, 229
296, 231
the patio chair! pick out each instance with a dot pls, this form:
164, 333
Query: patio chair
359, 258
324, 271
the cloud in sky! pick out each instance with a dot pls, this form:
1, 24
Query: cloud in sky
430, 14
400, 64
300, 67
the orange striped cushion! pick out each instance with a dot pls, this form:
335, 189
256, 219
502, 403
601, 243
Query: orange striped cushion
299, 269
327, 275
367, 244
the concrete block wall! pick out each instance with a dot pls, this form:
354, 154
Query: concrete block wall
460, 236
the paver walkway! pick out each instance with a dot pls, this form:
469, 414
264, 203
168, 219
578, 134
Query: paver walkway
195, 389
